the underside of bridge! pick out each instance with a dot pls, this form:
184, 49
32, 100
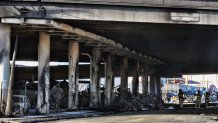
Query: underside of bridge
113, 41
185, 48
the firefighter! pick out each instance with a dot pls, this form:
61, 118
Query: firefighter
180, 94
207, 99
198, 100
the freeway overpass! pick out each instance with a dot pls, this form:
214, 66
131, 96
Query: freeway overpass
148, 37
180, 33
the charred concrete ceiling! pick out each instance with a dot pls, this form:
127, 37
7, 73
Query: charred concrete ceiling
186, 48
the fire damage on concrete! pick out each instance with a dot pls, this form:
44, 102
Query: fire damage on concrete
63, 60
73, 86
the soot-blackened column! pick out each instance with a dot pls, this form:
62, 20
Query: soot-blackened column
124, 79
5, 34
145, 79
73, 95
43, 73
109, 79
94, 85
135, 81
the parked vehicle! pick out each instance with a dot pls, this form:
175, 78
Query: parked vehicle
174, 100
213, 97
21, 104
169, 96
189, 99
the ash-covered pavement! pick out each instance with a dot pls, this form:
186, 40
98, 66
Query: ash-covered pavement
187, 115
53, 117
147, 118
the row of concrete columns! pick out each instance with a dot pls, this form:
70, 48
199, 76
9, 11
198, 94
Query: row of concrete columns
44, 73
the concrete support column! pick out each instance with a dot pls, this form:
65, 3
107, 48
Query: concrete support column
73, 74
145, 79
109, 79
135, 82
157, 86
152, 84
5, 34
43, 73
94, 86
124, 79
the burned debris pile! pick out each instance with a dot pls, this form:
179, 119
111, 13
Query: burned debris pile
142, 102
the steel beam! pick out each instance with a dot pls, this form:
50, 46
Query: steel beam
5, 34
73, 95
43, 73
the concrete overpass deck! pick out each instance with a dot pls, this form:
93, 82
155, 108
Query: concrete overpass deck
185, 4
184, 38
154, 41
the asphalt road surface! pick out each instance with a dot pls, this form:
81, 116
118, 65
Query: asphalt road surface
147, 118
